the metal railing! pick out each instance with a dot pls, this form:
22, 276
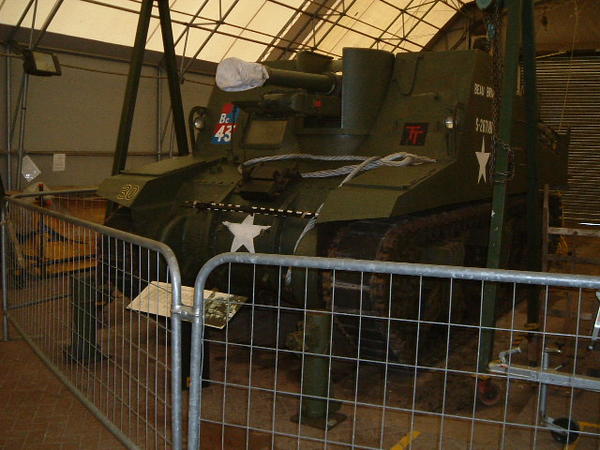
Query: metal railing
94, 303
295, 351
334, 352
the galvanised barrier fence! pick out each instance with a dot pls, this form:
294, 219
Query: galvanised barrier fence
342, 353
94, 303
297, 352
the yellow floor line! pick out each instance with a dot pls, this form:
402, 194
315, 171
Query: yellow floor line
589, 425
582, 426
406, 440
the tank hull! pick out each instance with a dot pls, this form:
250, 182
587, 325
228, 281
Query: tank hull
279, 169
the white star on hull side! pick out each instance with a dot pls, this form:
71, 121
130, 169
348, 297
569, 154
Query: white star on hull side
244, 233
482, 159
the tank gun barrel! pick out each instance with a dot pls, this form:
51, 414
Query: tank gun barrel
315, 82
234, 75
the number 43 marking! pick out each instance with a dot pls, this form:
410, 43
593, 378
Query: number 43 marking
224, 132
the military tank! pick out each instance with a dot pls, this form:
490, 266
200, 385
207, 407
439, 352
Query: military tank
372, 156
307, 155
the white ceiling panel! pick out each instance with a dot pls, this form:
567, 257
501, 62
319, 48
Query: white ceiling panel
250, 29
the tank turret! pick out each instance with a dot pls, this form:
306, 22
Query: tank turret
344, 94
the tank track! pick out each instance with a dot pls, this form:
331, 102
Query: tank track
456, 237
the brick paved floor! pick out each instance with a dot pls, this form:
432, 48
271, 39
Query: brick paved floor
36, 409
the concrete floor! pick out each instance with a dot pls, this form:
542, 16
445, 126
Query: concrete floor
37, 411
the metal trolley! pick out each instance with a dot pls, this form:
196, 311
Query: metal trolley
564, 429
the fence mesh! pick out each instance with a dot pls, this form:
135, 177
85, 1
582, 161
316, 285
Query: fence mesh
344, 358
332, 354
83, 298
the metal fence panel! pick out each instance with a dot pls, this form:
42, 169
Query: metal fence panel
364, 354
89, 300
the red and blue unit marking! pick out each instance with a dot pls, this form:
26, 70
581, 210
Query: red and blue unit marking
227, 124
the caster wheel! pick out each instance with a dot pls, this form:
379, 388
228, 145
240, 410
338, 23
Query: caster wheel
488, 393
570, 434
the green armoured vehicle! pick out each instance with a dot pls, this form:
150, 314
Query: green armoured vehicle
393, 148
374, 156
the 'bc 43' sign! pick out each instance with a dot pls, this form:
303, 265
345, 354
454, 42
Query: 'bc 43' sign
227, 124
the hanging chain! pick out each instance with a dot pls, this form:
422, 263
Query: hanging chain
493, 22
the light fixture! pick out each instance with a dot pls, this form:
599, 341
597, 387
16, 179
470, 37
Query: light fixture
39, 63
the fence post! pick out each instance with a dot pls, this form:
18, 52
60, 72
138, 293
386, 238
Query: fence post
176, 387
5, 335
176, 349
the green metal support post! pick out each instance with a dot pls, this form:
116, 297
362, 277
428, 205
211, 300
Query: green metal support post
501, 175
131, 90
127, 113
173, 77
534, 210
317, 409
133, 82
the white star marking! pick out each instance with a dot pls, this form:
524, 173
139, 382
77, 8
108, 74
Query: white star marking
244, 233
482, 159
